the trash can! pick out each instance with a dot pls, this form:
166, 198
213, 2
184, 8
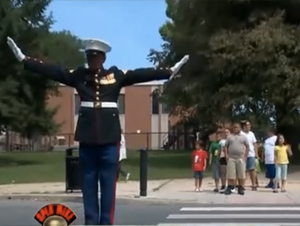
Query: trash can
73, 178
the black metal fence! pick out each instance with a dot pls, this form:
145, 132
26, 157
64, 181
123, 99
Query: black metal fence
12, 141
160, 141
173, 140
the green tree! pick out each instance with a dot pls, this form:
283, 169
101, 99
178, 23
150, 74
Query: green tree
56, 47
244, 60
23, 95
266, 59
24, 21
191, 27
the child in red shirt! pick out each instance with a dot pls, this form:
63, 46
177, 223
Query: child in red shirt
199, 160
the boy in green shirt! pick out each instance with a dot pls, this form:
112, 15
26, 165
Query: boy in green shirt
214, 160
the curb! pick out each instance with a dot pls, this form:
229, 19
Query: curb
61, 198
137, 198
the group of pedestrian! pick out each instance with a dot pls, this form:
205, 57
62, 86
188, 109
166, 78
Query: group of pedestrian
234, 154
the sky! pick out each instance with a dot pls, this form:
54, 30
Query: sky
131, 27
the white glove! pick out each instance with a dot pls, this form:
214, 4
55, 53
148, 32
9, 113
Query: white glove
16, 50
178, 65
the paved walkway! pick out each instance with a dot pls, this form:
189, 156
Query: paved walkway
180, 190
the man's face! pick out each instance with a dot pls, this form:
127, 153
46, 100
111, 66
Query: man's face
247, 127
95, 60
236, 128
226, 133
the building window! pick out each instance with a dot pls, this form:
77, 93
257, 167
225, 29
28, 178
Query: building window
164, 108
155, 104
121, 104
76, 104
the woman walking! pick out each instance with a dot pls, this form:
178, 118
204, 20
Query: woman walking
123, 155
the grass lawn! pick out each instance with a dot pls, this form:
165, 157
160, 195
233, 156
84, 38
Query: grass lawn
30, 167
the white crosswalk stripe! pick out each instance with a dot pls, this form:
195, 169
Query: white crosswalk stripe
230, 224
235, 216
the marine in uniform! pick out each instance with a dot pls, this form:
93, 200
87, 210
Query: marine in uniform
98, 128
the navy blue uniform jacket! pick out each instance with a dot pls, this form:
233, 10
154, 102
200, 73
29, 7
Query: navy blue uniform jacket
97, 125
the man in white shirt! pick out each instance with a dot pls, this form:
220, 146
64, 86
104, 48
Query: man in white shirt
122, 156
269, 151
252, 155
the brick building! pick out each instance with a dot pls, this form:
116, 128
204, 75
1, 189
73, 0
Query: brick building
144, 120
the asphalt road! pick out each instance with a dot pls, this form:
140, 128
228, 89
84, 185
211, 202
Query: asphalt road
21, 212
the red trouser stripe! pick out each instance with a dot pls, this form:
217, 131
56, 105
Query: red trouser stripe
112, 210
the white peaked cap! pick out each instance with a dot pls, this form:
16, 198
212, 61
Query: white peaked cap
93, 44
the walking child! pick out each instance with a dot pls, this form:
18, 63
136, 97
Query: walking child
199, 160
123, 155
282, 151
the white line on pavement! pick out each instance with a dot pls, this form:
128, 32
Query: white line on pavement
250, 208
234, 216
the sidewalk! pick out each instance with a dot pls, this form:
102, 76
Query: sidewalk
183, 190
179, 190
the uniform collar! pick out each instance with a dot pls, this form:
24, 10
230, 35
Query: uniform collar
86, 66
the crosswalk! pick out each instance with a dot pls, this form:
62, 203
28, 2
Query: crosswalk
235, 216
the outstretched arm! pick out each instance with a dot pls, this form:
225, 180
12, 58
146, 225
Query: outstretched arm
144, 75
150, 74
53, 72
